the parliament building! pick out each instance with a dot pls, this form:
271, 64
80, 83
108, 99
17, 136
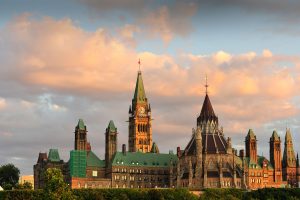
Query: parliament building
207, 161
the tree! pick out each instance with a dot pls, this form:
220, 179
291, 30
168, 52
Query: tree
55, 187
27, 186
9, 176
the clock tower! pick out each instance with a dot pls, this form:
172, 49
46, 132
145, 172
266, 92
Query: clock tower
140, 130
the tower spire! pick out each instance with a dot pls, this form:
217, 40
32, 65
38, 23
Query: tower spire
139, 62
206, 85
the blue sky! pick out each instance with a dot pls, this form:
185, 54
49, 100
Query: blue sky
65, 60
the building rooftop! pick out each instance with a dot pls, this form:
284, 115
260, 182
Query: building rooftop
143, 159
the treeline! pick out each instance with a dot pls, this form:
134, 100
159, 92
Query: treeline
157, 194
105, 194
260, 194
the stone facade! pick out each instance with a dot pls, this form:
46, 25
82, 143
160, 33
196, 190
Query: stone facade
209, 161
45, 162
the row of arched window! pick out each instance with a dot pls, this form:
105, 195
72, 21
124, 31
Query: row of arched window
142, 128
145, 141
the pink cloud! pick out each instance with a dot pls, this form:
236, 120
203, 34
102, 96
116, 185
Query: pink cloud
247, 89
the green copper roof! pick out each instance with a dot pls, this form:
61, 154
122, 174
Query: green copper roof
139, 93
80, 124
259, 163
93, 161
260, 160
143, 159
275, 135
53, 155
111, 126
251, 134
154, 148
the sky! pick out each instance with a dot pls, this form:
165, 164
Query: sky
65, 60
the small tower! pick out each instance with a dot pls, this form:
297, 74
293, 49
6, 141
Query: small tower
298, 172
251, 147
80, 136
154, 148
198, 168
111, 142
140, 129
289, 160
275, 156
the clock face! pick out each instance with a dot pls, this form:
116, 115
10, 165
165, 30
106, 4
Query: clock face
141, 110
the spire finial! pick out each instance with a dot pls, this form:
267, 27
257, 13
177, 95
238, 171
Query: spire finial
206, 85
139, 62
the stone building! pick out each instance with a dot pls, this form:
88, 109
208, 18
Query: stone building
207, 161
142, 166
44, 162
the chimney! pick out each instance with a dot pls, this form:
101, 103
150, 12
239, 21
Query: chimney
88, 146
242, 153
124, 149
178, 152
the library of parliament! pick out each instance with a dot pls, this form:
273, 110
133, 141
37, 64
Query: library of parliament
207, 161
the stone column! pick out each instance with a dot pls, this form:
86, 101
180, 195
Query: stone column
190, 172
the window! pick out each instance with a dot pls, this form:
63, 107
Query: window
94, 173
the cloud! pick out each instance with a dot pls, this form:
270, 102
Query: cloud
169, 21
163, 20
54, 72
2, 103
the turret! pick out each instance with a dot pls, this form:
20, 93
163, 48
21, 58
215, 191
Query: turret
289, 160
111, 142
275, 156
198, 172
80, 136
298, 172
251, 146
154, 148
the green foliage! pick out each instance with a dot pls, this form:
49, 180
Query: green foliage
21, 195
25, 186
134, 194
154, 194
226, 194
9, 176
55, 187
274, 194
